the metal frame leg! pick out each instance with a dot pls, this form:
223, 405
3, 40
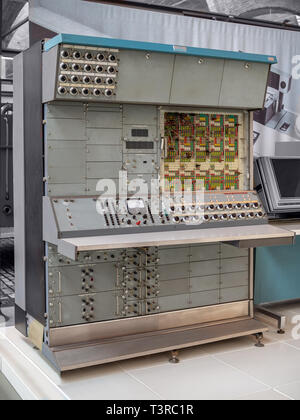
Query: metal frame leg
281, 319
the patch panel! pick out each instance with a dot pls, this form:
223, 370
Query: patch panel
87, 73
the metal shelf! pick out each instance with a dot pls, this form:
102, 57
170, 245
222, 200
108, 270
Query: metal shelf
73, 357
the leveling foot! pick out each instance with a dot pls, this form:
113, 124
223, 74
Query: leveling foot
174, 357
259, 337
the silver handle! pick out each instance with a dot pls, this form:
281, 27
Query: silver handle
60, 313
59, 282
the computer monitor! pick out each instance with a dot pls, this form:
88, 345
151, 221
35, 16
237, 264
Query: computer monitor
278, 183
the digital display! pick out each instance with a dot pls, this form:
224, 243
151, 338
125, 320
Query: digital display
287, 174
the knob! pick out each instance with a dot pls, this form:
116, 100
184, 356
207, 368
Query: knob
75, 67
98, 80
73, 91
232, 216
64, 54
109, 81
99, 69
62, 90
112, 58
63, 78
111, 69
85, 92
108, 92
88, 56
86, 79
75, 79
76, 55
97, 92
88, 68
100, 57
64, 66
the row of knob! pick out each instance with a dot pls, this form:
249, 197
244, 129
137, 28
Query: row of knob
135, 309
74, 91
88, 68
206, 218
211, 207
78, 55
86, 80
217, 217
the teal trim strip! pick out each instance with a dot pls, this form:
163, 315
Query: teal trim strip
164, 48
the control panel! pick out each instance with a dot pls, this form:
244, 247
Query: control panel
85, 73
92, 216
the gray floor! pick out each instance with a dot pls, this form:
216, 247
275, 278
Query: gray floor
7, 393
7, 282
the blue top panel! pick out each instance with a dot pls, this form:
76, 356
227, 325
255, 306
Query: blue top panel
164, 48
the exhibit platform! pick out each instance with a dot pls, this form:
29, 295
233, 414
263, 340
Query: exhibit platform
232, 369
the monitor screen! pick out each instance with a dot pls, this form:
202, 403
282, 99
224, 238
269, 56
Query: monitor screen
287, 174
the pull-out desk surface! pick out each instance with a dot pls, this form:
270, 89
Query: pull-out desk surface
241, 236
293, 226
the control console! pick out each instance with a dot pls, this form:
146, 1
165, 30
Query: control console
91, 216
